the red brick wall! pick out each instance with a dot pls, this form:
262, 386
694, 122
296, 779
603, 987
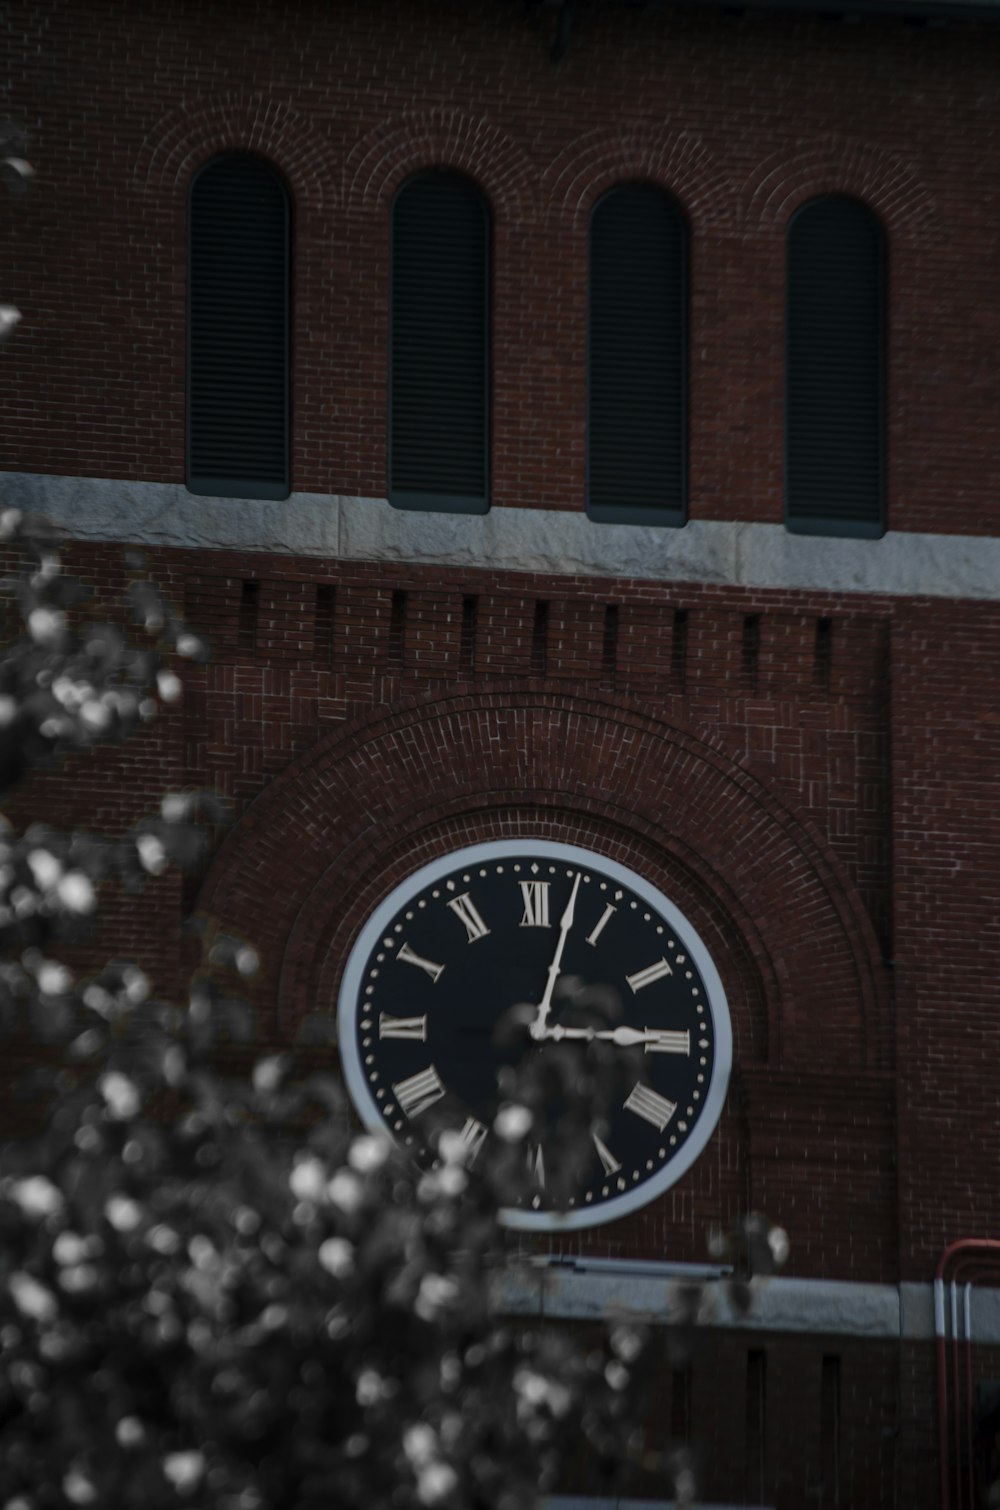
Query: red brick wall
821, 800
741, 119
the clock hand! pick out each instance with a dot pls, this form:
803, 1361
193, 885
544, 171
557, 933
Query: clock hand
624, 1037
565, 924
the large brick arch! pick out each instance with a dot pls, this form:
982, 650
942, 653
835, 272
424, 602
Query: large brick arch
370, 803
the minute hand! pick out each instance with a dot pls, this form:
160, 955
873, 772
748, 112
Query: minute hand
538, 1029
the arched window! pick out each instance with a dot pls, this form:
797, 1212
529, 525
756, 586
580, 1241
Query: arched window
835, 370
238, 341
439, 364
637, 359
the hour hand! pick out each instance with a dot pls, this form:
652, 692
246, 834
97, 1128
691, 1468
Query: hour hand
565, 924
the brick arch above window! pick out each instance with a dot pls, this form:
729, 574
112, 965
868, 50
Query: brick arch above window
382, 160
784, 182
678, 162
186, 138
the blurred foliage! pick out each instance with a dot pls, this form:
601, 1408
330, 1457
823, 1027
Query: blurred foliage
214, 1292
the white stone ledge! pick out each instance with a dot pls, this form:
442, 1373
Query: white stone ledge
525, 540
792, 1306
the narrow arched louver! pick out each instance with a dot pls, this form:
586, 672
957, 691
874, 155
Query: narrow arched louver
835, 363
439, 336
237, 412
637, 359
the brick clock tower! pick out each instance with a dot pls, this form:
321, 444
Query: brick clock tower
574, 426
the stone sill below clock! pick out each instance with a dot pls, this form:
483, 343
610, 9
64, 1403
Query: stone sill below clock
583, 1289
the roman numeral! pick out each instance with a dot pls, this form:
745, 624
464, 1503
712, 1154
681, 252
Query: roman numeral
536, 1164
650, 1106
668, 1041
609, 1163
408, 957
473, 1135
646, 977
601, 924
402, 1027
465, 908
419, 1092
536, 904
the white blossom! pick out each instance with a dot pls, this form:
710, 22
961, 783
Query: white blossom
10, 520
136, 984
307, 1179
70, 1248
184, 1469
168, 685
123, 1213
512, 1122
31, 1298
188, 645
368, 1153
54, 979
268, 1074
436, 1292
95, 714
79, 1488
420, 1443
175, 806
130, 1431
8, 713
76, 892
120, 1094
336, 1255
151, 853
37, 1196
777, 1241
346, 1190
45, 868
46, 625
78, 1278
435, 1482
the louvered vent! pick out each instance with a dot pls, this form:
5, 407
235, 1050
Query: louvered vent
835, 406
238, 331
439, 388
637, 426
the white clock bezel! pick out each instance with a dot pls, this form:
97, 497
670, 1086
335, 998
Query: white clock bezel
718, 1007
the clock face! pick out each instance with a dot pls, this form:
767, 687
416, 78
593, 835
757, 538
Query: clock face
533, 925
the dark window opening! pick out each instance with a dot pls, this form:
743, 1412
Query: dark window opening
751, 648
637, 359
679, 648
439, 346
397, 631
609, 649
249, 608
823, 653
238, 331
755, 1425
470, 625
324, 622
830, 1430
540, 639
835, 370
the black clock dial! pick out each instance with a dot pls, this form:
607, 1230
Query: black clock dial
430, 987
